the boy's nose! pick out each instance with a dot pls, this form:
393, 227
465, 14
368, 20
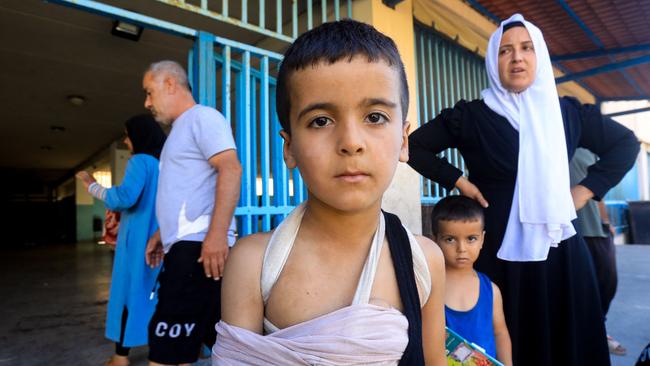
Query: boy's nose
350, 139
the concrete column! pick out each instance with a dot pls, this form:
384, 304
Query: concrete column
403, 196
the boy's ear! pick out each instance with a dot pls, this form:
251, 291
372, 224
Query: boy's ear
286, 150
404, 150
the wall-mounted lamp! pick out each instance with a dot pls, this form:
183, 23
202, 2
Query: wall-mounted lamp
126, 30
76, 100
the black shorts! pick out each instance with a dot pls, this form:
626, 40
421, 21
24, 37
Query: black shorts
188, 307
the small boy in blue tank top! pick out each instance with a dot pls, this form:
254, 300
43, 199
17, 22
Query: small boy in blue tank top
473, 304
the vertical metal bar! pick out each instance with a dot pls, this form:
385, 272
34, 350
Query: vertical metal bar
204, 79
438, 79
337, 10
294, 18
429, 101
418, 93
224, 8
244, 11
436, 106
280, 172
264, 140
423, 78
252, 151
429, 62
463, 75
204, 4
262, 20
225, 84
310, 17
278, 16
445, 85
475, 89
457, 76
323, 11
350, 9
246, 119
298, 188
239, 130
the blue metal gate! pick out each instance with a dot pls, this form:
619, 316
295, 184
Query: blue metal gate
237, 80
446, 73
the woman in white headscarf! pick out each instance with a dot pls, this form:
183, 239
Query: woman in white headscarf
516, 143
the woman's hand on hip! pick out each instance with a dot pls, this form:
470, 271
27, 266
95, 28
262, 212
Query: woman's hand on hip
468, 189
581, 195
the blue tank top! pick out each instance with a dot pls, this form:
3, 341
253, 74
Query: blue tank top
475, 325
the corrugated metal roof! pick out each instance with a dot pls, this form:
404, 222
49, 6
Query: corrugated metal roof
572, 26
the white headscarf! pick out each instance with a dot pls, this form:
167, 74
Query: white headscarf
542, 206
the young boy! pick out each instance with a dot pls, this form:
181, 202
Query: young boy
473, 305
338, 282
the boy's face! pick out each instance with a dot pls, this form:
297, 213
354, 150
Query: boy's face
347, 131
460, 241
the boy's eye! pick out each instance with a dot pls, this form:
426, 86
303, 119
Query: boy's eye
320, 122
472, 239
376, 118
448, 240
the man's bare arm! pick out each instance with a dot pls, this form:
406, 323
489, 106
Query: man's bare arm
215, 245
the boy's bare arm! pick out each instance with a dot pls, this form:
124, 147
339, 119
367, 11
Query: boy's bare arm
241, 297
433, 311
501, 334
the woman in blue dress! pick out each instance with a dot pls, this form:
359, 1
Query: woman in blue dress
516, 143
130, 304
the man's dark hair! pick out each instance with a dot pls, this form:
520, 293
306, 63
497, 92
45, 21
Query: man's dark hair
332, 42
456, 208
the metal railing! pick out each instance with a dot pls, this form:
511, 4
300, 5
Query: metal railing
238, 80
280, 19
446, 73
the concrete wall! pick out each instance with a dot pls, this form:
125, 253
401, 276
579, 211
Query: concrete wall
403, 196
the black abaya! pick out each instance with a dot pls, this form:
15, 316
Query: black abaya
552, 307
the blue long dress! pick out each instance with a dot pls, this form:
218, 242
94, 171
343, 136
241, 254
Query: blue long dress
132, 280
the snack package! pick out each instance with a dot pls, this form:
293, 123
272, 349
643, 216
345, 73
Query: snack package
461, 352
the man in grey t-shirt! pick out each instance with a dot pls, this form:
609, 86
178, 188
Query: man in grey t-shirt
198, 190
594, 226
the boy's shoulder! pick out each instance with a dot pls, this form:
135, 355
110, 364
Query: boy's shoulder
247, 254
431, 251
252, 245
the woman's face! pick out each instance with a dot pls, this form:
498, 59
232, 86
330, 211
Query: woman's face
517, 60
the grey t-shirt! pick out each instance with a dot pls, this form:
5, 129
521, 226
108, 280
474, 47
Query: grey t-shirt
589, 221
187, 182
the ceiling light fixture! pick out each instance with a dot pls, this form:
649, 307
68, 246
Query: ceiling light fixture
126, 30
76, 100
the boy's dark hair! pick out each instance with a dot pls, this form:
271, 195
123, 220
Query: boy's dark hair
456, 208
331, 42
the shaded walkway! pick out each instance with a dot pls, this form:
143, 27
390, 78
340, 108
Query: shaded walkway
53, 305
